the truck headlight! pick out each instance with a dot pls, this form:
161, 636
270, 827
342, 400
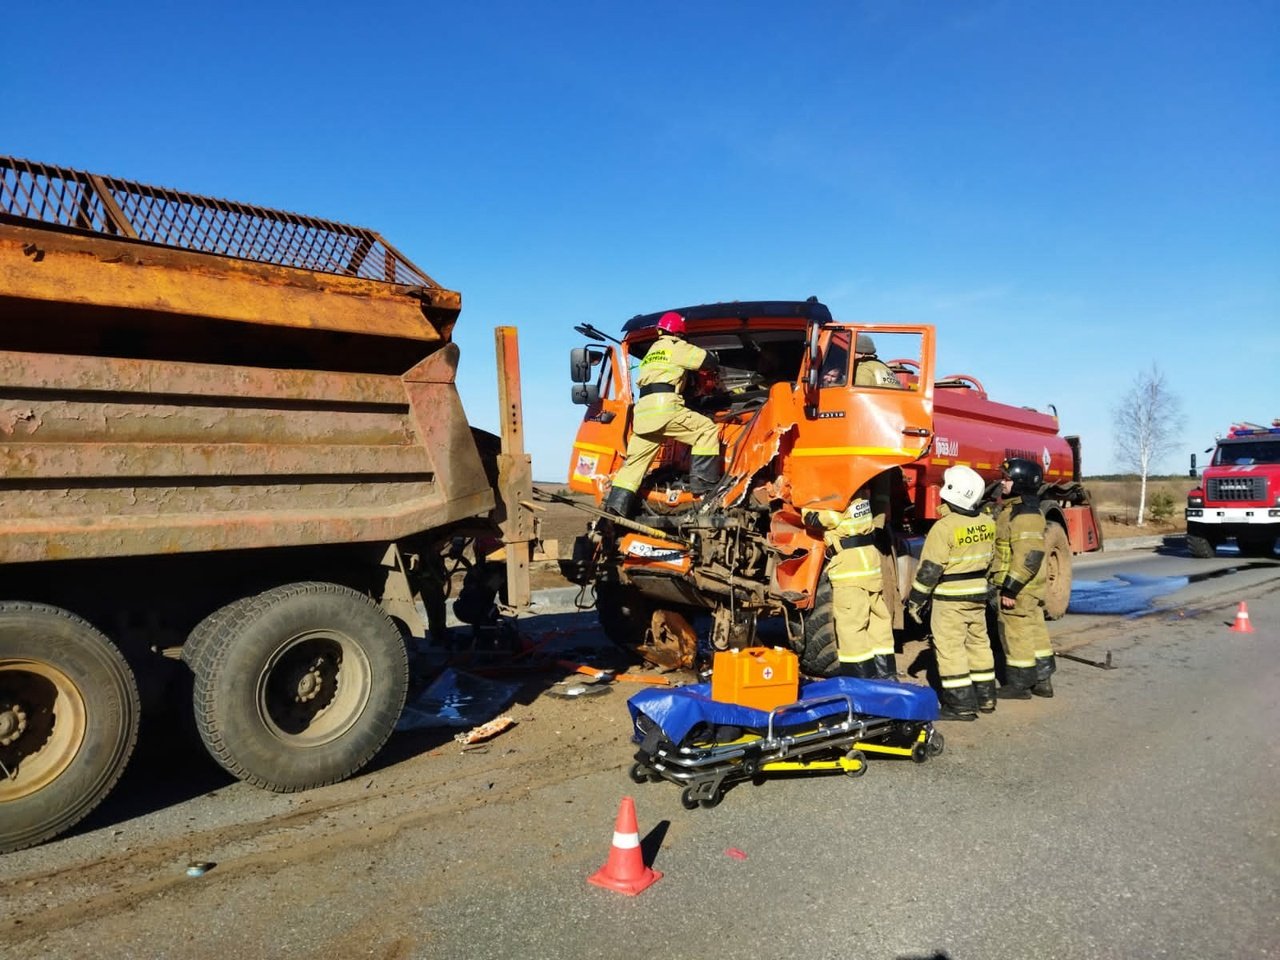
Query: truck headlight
1194, 513
1195, 501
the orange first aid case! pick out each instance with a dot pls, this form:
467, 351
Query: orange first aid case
757, 677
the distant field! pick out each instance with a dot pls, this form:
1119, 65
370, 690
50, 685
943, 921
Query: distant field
1116, 504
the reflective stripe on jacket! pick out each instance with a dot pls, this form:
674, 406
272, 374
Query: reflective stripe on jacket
961, 547
1019, 553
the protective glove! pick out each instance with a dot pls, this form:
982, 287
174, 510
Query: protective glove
916, 612
810, 519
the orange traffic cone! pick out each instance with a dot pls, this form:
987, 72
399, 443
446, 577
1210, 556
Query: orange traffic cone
625, 871
1242, 624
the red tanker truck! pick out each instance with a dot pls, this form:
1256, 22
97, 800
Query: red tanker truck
798, 434
1239, 494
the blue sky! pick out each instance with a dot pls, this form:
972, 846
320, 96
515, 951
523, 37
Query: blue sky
1070, 191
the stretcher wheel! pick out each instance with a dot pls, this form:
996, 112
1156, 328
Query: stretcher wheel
936, 743
638, 773
712, 801
861, 768
920, 753
687, 799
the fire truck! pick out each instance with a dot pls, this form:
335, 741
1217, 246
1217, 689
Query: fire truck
798, 433
1239, 493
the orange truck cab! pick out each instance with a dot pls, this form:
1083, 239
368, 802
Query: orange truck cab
799, 431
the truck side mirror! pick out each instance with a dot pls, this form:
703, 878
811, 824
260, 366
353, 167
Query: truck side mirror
585, 393
815, 359
579, 365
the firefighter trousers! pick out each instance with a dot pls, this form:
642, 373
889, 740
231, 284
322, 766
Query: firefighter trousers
1023, 633
863, 626
960, 641
683, 425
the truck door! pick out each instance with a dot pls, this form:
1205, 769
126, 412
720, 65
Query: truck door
863, 412
602, 384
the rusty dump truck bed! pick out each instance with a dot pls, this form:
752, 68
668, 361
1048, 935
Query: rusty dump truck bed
182, 374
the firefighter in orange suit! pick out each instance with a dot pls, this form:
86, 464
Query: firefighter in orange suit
864, 630
660, 412
1018, 574
953, 575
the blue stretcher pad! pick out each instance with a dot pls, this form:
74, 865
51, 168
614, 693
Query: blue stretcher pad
679, 710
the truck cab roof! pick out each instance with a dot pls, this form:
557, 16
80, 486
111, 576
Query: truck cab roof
745, 310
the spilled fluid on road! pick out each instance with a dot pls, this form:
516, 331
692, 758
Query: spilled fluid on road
1133, 594
1123, 594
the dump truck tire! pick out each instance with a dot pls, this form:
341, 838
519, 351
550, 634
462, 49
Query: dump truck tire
300, 687
1057, 559
201, 632
69, 713
820, 656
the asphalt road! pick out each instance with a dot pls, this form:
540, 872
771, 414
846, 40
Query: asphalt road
1134, 815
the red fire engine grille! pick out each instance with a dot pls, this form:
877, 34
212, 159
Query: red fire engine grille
1237, 488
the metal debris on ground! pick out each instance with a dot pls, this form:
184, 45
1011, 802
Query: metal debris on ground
576, 691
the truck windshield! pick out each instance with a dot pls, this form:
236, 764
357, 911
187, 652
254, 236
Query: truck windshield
1247, 452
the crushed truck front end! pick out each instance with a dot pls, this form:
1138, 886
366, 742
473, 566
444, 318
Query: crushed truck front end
797, 434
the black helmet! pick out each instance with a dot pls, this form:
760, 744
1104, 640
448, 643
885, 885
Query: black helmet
1025, 474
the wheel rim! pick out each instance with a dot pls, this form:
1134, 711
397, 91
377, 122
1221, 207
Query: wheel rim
314, 688
43, 723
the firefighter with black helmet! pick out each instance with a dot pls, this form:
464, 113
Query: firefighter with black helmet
1019, 575
660, 412
864, 630
952, 574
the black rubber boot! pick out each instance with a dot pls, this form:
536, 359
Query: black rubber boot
1019, 681
1045, 667
958, 703
984, 692
864, 670
620, 502
886, 666
705, 473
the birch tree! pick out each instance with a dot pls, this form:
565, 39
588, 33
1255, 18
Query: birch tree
1147, 422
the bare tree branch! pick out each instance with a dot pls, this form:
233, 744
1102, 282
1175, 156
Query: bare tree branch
1147, 422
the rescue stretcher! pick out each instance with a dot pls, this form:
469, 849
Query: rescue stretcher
705, 745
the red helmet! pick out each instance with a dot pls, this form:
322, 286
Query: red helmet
671, 322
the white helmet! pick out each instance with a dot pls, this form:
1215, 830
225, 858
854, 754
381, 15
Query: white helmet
962, 487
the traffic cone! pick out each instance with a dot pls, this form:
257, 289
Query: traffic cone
625, 871
1242, 624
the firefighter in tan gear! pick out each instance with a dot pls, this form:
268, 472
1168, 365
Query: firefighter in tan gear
864, 630
953, 575
1018, 574
660, 412
868, 369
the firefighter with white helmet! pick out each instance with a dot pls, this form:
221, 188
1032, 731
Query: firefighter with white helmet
864, 630
953, 575
660, 412
1018, 572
